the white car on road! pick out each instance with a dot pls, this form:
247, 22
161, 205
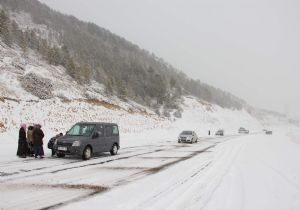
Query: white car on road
188, 137
243, 130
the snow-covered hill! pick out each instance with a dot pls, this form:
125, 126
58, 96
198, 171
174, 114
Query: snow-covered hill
33, 91
25, 80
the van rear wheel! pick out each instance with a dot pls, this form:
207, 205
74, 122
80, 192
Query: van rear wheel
114, 149
87, 153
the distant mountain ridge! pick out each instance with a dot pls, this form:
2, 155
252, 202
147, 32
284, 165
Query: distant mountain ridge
89, 52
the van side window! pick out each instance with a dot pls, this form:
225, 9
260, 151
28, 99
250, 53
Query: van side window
108, 130
115, 130
100, 130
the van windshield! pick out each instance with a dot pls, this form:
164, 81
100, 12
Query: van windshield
81, 130
186, 133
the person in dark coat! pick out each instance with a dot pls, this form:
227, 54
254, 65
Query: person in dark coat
30, 140
22, 143
38, 136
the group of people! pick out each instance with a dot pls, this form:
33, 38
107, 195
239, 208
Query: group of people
31, 142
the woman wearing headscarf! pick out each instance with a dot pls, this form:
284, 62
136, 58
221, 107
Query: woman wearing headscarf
22, 143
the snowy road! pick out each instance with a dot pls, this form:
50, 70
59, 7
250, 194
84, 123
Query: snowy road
208, 175
52, 182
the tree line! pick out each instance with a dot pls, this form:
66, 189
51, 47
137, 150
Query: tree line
89, 52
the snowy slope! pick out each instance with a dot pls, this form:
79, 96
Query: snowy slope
71, 102
68, 102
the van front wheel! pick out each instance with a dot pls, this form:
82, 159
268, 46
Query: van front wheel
114, 150
87, 153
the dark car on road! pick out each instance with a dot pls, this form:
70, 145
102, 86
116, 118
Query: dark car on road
268, 132
220, 132
85, 139
243, 130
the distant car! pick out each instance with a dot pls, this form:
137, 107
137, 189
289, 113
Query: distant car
268, 132
188, 137
220, 132
243, 130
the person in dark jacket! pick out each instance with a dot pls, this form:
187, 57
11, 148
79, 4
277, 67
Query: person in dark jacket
30, 140
22, 143
38, 136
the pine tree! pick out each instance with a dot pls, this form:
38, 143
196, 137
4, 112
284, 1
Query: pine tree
70, 67
24, 43
16, 33
4, 28
33, 40
172, 82
109, 86
86, 72
122, 90
53, 56
43, 48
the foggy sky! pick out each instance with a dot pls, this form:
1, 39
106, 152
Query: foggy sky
249, 48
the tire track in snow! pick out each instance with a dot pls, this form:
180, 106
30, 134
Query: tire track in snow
171, 187
288, 180
230, 156
142, 174
21, 171
136, 153
155, 170
181, 186
92, 162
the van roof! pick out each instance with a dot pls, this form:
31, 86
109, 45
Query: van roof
98, 123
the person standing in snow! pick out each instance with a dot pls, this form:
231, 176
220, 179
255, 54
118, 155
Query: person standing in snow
22, 143
30, 140
209, 132
38, 136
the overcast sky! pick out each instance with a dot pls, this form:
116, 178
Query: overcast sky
250, 48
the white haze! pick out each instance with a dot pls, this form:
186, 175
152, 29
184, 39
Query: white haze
250, 48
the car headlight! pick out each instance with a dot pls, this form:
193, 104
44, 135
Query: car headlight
76, 144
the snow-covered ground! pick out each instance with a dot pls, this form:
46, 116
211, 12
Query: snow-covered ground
249, 172
255, 171
265, 174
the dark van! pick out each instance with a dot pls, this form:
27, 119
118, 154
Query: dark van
87, 138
